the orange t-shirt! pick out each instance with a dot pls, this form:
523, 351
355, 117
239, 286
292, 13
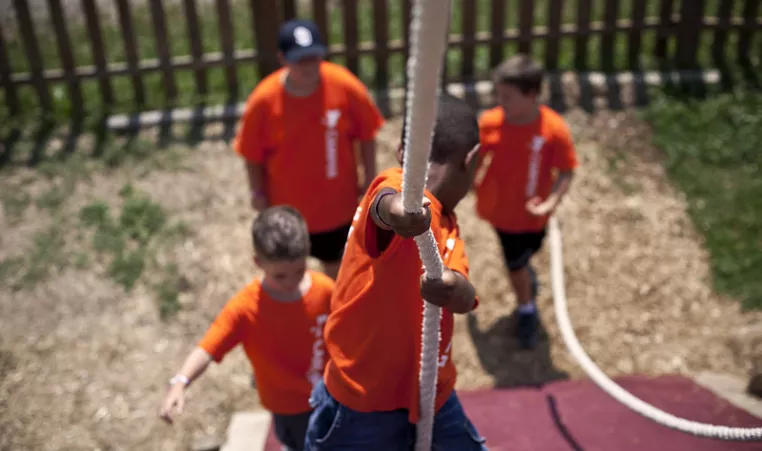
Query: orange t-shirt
282, 340
518, 163
306, 144
373, 333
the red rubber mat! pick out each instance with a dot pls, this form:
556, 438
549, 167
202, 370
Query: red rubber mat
578, 416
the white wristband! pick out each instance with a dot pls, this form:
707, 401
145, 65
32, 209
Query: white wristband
179, 378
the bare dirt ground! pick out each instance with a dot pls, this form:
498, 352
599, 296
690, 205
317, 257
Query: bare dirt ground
84, 366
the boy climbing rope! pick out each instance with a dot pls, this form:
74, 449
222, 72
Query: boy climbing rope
369, 398
279, 321
527, 161
297, 139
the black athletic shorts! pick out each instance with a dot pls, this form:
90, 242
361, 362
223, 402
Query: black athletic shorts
291, 429
518, 248
329, 246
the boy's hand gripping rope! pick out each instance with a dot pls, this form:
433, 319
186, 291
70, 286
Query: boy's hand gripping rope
428, 42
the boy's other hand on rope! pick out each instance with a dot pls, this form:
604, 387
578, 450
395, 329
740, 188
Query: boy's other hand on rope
452, 291
392, 214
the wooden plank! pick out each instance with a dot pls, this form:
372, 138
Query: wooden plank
266, 34
131, 50
349, 10
583, 37
497, 26
11, 97
468, 29
289, 9
67, 58
407, 18
381, 38
216, 59
724, 10
32, 48
228, 113
608, 37
745, 37
553, 41
634, 43
320, 16
194, 36
228, 46
689, 33
162, 49
526, 19
665, 30
99, 53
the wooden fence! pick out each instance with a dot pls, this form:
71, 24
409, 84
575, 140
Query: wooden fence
676, 30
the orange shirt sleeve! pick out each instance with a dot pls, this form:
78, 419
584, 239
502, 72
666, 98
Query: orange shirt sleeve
225, 332
564, 154
365, 115
250, 141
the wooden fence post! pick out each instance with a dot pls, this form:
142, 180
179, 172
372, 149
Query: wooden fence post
266, 32
688, 33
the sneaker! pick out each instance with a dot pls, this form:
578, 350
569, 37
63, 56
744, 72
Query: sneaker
535, 283
526, 329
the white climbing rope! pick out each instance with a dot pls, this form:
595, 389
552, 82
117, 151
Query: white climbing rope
606, 384
428, 42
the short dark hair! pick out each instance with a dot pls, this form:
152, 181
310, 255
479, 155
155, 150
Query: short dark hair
280, 233
456, 129
520, 71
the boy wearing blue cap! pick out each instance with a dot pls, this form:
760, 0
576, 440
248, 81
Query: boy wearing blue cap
298, 136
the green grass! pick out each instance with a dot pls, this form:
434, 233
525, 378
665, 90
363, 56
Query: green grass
712, 155
129, 240
126, 236
244, 38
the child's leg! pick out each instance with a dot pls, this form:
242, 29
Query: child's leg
453, 431
334, 426
291, 429
518, 249
328, 247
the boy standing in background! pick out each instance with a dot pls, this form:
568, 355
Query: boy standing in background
527, 163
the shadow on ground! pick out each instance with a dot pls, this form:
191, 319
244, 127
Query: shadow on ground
509, 365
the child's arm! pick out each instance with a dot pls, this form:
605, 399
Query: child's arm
453, 291
560, 188
193, 367
388, 214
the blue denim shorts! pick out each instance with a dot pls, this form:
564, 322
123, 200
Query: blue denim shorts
334, 426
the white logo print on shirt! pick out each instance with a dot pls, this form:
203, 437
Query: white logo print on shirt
534, 164
331, 142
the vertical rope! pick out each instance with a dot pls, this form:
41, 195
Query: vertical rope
428, 42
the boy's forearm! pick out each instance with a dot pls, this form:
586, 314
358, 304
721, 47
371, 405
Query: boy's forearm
379, 209
256, 175
464, 296
368, 156
561, 187
195, 364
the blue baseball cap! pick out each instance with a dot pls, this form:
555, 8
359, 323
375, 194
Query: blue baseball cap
300, 39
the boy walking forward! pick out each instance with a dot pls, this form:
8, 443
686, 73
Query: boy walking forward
527, 161
369, 399
278, 320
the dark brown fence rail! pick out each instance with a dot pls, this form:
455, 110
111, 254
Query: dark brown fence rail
70, 56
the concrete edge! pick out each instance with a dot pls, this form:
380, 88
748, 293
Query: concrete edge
732, 389
247, 431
